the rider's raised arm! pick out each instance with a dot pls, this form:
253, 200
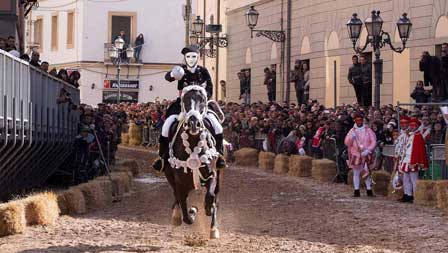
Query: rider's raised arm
168, 77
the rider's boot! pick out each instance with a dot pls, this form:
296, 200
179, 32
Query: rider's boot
159, 164
221, 162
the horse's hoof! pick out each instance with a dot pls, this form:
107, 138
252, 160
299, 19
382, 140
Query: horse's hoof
192, 213
176, 218
214, 233
188, 220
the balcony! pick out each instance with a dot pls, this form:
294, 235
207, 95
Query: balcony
108, 61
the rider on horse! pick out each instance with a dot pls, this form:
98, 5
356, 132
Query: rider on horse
188, 74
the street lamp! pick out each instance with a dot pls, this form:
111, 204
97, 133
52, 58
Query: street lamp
117, 53
378, 39
252, 20
214, 40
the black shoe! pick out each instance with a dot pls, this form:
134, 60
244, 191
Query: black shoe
356, 194
370, 193
411, 199
221, 163
158, 165
406, 198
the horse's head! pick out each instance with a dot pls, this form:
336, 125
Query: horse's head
194, 106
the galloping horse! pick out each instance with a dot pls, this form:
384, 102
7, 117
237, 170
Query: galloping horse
192, 159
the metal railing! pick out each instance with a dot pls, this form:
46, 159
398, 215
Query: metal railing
436, 153
35, 131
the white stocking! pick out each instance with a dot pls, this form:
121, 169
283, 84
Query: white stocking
356, 174
407, 185
413, 176
368, 182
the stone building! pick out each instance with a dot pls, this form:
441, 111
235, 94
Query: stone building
76, 35
319, 34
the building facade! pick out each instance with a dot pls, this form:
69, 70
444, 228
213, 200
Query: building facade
8, 18
76, 35
319, 34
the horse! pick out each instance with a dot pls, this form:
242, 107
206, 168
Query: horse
192, 158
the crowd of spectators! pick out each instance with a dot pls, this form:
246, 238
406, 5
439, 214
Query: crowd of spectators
9, 45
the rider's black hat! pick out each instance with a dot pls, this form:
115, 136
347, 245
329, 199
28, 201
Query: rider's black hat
189, 49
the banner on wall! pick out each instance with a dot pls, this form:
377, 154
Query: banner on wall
110, 97
124, 84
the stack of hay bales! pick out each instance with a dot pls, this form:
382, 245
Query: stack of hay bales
128, 165
73, 201
281, 164
381, 179
246, 157
441, 190
95, 195
12, 218
425, 193
392, 193
41, 209
135, 134
300, 166
266, 160
323, 170
125, 138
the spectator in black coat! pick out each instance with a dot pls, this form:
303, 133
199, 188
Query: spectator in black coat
430, 66
444, 70
420, 94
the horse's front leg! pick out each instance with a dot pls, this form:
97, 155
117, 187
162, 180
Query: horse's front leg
188, 216
211, 201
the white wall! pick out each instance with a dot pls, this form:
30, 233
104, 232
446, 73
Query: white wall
46, 10
161, 23
154, 77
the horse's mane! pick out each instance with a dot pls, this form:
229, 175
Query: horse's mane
194, 87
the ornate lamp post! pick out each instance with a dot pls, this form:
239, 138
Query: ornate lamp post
252, 20
117, 53
202, 41
378, 39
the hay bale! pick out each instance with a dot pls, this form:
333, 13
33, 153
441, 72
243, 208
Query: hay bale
41, 209
125, 138
62, 203
281, 164
75, 201
391, 192
300, 166
246, 157
425, 193
131, 165
266, 160
381, 179
121, 181
135, 134
12, 218
107, 187
323, 170
441, 189
94, 195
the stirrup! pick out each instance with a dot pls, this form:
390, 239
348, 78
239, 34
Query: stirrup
224, 160
162, 165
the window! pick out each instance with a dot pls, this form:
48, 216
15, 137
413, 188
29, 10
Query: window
70, 29
121, 23
54, 32
38, 33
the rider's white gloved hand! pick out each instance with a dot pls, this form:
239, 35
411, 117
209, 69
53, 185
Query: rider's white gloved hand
177, 72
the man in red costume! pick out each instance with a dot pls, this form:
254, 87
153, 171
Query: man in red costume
361, 143
413, 158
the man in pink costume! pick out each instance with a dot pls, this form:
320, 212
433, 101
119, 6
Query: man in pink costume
361, 143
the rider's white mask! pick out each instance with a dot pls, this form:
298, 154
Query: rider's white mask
191, 59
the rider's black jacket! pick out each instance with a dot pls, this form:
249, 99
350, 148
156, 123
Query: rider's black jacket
199, 77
